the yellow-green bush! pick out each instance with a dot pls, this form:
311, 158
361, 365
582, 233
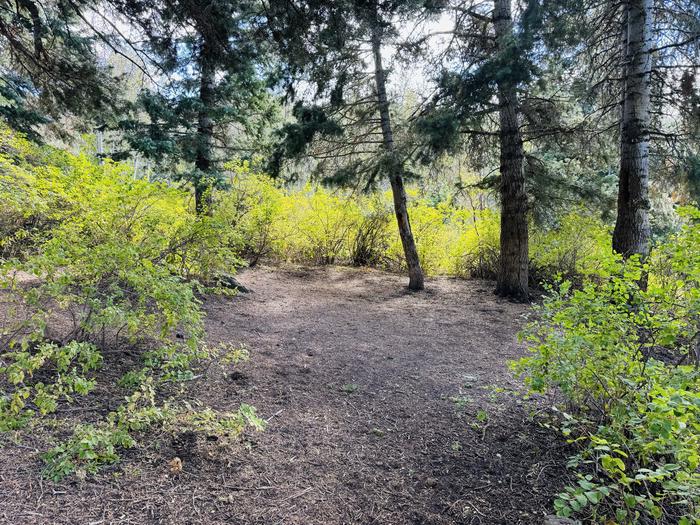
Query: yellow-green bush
625, 358
253, 206
93, 259
432, 233
578, 247
475, 252
373, 236
318, 226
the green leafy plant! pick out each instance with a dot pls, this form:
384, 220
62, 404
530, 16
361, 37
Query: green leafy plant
87, 450
93, 446
578, 247
95, 260
349, 388
623, 356
71, 364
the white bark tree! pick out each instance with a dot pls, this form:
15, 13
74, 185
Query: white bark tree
632, 230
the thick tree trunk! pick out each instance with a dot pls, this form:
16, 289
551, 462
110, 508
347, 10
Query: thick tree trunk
632, 233
203, 186
512, 278
415, 272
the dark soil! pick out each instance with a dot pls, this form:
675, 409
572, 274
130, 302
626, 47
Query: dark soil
384, 407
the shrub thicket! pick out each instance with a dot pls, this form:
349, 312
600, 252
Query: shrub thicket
94, 260
625, 357
314, 225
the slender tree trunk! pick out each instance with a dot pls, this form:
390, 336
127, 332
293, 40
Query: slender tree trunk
632, 233
415, 272
512, 278
203, 181
100, 138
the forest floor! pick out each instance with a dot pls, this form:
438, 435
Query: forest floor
384, 407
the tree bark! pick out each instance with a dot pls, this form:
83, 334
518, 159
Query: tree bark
632, 234
512, 277
415, 272
203, 183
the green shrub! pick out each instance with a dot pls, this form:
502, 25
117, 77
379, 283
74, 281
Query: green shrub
433, 233
623, 358
475, 252
317, 226
87, 450
73, 364
253, 207
93, 446
577, 248
116, 258
371, 240
93, 259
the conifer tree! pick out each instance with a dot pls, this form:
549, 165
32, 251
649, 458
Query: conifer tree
49, 64
512, 278
338, 48
211, 58
497, 61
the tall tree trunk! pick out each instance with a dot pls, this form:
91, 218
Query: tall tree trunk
415, 272
512, 278
100, 139
632, 233
203, 180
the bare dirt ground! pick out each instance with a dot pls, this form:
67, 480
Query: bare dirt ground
384, 407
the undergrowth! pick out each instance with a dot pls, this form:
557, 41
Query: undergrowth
95, 261
314, 225
624, 352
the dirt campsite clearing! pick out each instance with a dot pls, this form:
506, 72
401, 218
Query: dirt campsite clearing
383, 407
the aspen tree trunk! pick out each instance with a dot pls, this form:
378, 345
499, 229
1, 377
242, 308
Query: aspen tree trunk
203, 186
512, 278
632, 234
415, 272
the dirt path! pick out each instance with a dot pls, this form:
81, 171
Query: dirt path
385, 407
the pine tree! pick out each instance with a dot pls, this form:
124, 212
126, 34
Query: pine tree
497, 64
512, 278
327, 45
211, 58
49, 64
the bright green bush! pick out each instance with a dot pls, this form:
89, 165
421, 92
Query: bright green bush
316, 226
625, 359
475, 252
95, 260
252, 206
87, 450
116, 257
370, 244
257, 219
577, 248
73, 364
24, 213
433, 233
